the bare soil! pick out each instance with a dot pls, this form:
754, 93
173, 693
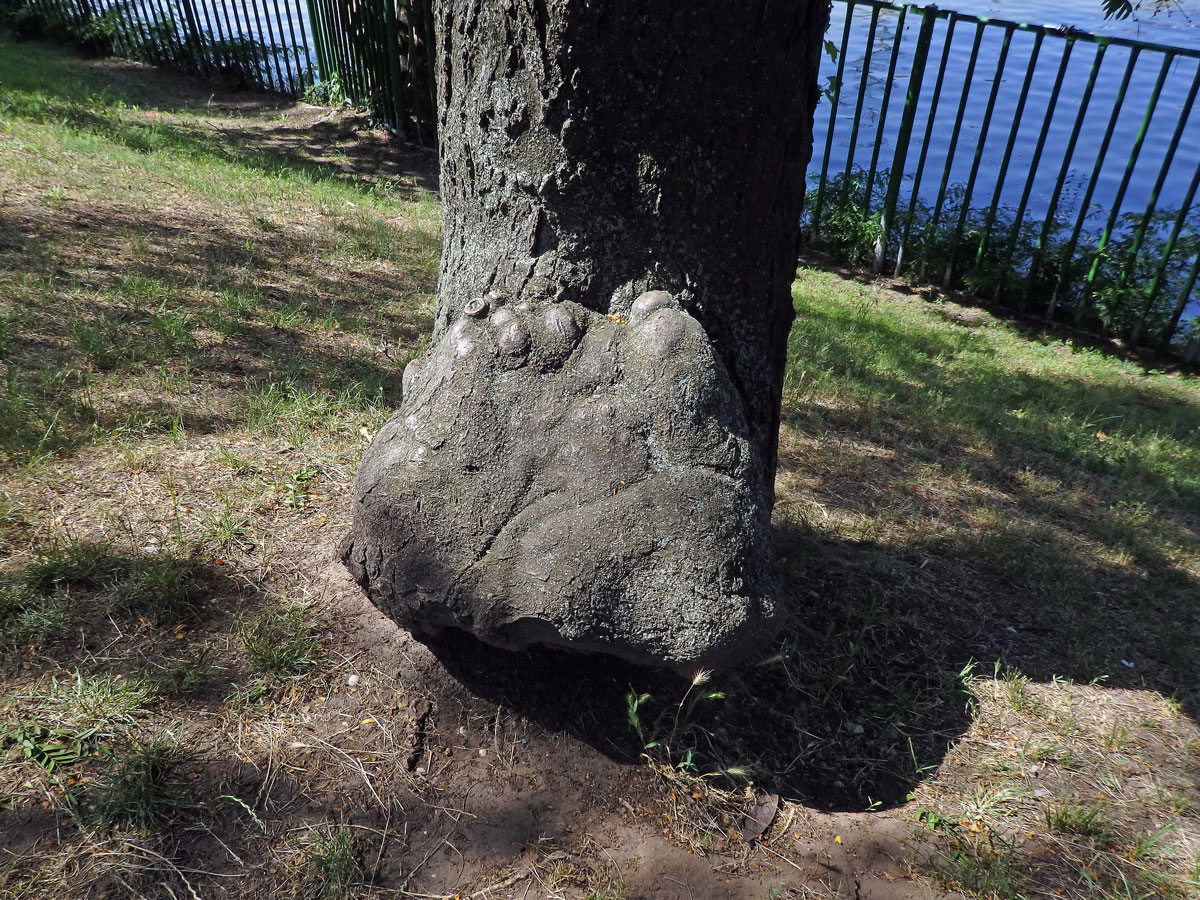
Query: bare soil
883, 755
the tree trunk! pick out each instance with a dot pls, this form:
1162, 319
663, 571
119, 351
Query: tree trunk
585, 456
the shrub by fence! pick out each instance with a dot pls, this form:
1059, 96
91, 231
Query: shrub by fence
1030, 165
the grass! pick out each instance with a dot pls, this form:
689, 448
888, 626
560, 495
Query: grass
329, 861
142, 791
280, 640
989, 540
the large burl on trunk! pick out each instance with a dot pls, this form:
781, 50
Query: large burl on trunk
585, 455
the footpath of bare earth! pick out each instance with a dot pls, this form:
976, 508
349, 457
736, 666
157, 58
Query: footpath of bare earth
990, 537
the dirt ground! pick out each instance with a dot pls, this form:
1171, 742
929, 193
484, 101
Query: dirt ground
222, 443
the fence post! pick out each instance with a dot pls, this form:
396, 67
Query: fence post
1018, 114
1091, 188
316, 32
195, 36
883, 109
896, 173
1180, 305
958, 122
978, 158
1161, 269
1152, 202
862, 94
833, 107
1129, 166
1030, 176
1062, 177
918, 176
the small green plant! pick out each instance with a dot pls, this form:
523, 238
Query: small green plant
846, 228
1016, 691
141, 792
49, 747
998, 873
280, 640
330, 861
934, 820
326, 92
1087, 820
296, 488
669, 735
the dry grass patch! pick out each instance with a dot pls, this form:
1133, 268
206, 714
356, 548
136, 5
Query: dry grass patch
991, 547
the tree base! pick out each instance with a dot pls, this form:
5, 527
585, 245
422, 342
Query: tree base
559, 477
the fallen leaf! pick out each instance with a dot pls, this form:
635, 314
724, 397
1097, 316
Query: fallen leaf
760, 816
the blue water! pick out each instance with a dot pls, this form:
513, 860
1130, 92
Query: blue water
1175, 23
1127, 175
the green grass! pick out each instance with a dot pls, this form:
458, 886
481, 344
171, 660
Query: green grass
201, 319
281, 640
143, 791
151, 292
330, 863
1088, 820
1062, 478
56, 594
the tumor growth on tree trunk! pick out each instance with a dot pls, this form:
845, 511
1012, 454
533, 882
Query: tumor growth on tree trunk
584, 457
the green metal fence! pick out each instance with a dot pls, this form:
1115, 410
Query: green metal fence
1048, 169
379, 54
1035, 166
376, 54
263, 43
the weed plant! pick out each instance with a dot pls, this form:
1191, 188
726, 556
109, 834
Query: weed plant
142, 791
1102, 286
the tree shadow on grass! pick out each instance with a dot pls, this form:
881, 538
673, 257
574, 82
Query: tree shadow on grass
103, 293
1059, 503
308, 141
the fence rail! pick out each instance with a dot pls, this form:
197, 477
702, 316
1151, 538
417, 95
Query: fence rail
1049, 169
264, 43
1036, 166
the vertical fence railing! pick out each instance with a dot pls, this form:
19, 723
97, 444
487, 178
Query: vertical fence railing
1081, 208
1043, 168
245, 42
376, 54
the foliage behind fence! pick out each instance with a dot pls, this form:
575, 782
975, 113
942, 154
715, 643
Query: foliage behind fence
1045, 168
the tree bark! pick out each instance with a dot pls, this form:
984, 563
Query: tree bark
585, 456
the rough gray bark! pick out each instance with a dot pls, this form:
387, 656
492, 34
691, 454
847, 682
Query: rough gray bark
585, 455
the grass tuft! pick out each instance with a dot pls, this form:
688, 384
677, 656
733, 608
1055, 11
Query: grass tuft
330, 862
1087, 820
141, 792
281, 640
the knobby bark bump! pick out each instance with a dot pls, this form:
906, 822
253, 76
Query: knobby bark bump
585, 455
